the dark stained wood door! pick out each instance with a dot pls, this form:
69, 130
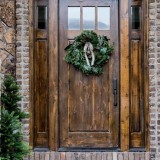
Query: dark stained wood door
87, 114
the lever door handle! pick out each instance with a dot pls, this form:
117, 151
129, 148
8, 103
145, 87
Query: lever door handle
115, 91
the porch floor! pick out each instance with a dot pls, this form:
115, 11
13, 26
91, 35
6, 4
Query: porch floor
93, 156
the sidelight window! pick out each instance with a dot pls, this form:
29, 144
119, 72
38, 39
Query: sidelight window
136, 18
42, 17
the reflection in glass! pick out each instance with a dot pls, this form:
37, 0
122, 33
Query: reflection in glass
88, 18
42, 17
74, 18
103, 18
135, 12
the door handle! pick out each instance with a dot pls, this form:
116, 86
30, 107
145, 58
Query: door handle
115, 91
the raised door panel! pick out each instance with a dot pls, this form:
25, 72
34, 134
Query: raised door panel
41, 100
40, 55
137, 81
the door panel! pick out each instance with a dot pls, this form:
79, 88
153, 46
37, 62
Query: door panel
137, 81
88, 117
41, 75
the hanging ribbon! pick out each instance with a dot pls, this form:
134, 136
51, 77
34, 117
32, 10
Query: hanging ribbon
88, 49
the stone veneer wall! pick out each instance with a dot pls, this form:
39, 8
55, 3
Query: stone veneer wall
7, 36
8, 42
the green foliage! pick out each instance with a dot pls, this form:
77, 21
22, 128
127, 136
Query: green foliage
102, 51
12, 145
11, 96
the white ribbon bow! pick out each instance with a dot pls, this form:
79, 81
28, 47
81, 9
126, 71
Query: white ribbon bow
88, 49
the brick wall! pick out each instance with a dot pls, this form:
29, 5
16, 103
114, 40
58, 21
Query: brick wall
154, 74
22, 58
9, 40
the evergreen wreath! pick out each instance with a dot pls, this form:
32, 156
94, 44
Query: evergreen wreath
89, 52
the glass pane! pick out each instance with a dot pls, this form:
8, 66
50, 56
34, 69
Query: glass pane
88, 18
135, 12
74, 18
42, 17
103, 18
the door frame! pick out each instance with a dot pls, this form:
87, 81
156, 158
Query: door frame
53, 73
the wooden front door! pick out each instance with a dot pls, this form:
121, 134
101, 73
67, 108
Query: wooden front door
88, 105
74, 111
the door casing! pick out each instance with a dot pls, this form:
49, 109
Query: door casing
53, 74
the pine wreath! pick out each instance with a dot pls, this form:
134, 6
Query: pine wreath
89, 52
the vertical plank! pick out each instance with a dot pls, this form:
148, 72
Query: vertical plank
146, 72
53, 74
41, 94
82, 156
68, 156
104, 156
51, 155
124, 68
137, 156
147, 156
93, 156
36, 156
31, 76
57, 156
131, 156
126, 156
120, 156
88, 156
31, 157
109, 156
141, 156
75, 156
99, 156
47, 154
135, 85
63, 155
115, 155
41, 156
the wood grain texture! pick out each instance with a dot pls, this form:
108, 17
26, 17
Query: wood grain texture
124, 74
95, 114
146, 71
40, 77
138, 79
31, 77
41, 94
88, 117
135, 86
53, 75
